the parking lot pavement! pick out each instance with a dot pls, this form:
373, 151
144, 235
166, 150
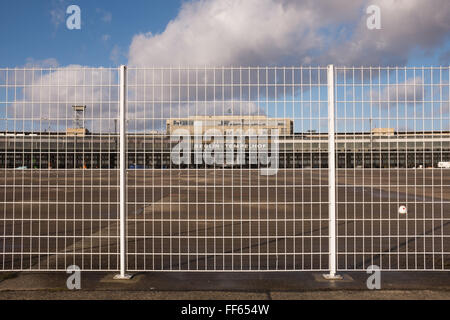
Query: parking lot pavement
226, 286
225, 220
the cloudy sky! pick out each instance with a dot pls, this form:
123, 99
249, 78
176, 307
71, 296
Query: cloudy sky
224, 32
229, 33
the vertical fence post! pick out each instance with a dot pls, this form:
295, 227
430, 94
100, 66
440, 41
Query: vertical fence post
331, 178
123, 171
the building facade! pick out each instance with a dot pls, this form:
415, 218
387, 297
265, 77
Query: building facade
223, 123
377, 149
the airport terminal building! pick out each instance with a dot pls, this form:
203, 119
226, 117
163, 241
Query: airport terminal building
78, 148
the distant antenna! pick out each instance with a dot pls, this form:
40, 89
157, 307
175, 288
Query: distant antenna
48, 129
79, 116
78, 122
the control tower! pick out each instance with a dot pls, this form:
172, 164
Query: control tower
78, 128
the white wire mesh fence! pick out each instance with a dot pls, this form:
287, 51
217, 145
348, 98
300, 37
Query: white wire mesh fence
59, 178
226, 169
393, 149
218, 182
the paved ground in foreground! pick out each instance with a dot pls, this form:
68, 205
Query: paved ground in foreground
225, 220
226, 286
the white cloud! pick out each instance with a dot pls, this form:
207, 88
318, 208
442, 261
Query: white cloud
407, 25
243, 33
54, 92
409, 91
45, 63
48, 103
284, 32
227, 33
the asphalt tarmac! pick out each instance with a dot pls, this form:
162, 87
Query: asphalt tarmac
224, 220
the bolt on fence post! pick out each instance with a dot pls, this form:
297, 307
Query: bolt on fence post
331, 178
123, 172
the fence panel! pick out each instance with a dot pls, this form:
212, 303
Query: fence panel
227, 169
392, 142
59, 177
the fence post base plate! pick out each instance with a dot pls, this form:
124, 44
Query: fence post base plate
124, 277
332, 277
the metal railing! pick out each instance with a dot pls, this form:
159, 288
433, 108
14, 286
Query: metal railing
59, 169
225, 169
392, 204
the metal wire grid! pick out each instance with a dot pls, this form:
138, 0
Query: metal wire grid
218, 218
59, 184
62, 208
380, 170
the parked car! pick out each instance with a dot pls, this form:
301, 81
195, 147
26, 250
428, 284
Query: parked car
136, 166
444, 164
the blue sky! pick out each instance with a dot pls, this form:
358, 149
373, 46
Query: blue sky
161, 33
28, 31
220, 32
